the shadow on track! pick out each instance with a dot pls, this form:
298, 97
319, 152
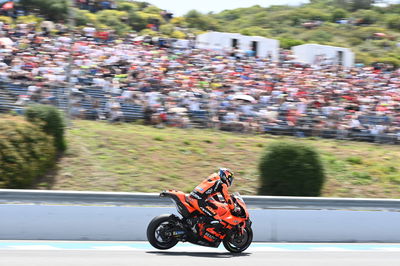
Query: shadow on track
199, 254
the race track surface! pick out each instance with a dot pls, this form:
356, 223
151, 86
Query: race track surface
57, 253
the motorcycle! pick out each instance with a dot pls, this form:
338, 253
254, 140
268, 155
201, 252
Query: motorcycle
233, 228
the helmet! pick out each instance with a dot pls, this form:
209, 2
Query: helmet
226, 176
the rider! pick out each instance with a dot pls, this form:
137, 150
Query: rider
210, 187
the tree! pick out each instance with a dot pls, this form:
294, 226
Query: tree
338, 13
353, 5
288, 43
128, 7
290, 169
393, 22
84, 17
178, 35
319, 36
179, 21
51, 9
361, 4
137, 21
255, 31
197, 20
114, 19
367, 16
167, 29
152, 10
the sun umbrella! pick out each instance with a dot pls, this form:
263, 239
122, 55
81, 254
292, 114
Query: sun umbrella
243, 97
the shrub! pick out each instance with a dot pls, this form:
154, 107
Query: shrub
388, 60
50, 119
288, 43
255, 31
7, 20
393, 22
26, 152
289, 169
84, 17
167, 29
114, 19
28, 19
178, 34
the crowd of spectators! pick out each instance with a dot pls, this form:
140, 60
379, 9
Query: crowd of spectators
234, 92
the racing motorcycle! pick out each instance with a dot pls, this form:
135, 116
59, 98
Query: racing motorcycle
233, 228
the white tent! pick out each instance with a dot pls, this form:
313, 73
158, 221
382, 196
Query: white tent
317, 55
243, 97
260, 46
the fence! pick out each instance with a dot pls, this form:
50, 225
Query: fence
93, 106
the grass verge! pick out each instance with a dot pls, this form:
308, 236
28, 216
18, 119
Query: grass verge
129, 157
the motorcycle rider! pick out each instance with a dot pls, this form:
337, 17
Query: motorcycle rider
216, 183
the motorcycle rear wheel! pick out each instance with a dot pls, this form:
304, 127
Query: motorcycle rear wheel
157, 232
236, 243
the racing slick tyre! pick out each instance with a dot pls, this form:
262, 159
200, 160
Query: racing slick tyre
159, 232
236, 242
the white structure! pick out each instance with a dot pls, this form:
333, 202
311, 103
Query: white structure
316, 55
230, 42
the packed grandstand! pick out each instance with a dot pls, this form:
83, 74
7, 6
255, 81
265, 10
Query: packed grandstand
131, 78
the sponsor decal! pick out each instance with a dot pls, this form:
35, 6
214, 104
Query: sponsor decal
210, 236
194, 195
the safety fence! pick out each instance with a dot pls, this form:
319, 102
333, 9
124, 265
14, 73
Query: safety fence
91, 103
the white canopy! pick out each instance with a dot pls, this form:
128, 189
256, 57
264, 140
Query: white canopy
243, 97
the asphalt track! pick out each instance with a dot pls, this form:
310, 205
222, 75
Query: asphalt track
56, 253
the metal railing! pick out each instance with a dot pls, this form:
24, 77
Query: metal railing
8, 196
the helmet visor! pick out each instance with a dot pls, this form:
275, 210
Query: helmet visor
230, 180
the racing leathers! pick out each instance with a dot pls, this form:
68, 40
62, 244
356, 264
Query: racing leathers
207, 189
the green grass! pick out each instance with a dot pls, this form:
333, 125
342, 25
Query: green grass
130, 157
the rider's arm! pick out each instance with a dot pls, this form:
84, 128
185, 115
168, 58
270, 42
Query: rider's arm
227, 197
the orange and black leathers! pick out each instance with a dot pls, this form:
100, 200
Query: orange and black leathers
210, 187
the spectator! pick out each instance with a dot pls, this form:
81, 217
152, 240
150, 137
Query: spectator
136, 73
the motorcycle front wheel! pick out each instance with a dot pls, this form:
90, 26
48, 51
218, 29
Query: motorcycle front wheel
237, 243
159, 232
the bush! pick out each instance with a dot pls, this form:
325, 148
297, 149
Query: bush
84, 17
388, 60
26, 152
255, 31
287, 43
167, 29
6, 20
115, 20
178, 34
289, 169
393, 22
51, 121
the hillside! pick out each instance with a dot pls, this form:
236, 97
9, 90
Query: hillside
129, 157
370, 31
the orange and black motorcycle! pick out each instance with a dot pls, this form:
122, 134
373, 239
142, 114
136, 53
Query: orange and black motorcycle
233, 228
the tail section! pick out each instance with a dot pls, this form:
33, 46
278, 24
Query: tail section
181, 201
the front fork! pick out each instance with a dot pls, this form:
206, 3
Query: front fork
242, 226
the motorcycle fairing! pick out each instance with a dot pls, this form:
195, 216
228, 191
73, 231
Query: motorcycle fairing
180, 199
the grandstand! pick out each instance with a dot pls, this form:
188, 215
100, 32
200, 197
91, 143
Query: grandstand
129, 79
